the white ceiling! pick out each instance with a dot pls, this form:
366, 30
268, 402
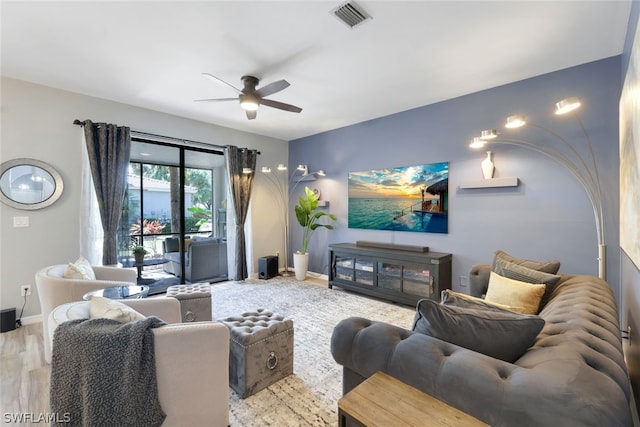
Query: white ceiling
412, 53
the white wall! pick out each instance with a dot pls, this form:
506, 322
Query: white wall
37, 123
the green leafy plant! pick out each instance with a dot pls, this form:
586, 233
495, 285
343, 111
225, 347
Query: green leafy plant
308, 215
139, 250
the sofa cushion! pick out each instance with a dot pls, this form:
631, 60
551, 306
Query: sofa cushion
449, 297
80, 269
496, 333
550, 267
100, 307
514, 293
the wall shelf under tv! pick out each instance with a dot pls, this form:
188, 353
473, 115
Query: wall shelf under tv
491, 183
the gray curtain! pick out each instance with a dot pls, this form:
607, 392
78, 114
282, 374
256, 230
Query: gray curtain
109, 149
240, 188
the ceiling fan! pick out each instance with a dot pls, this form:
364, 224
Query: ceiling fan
251, 98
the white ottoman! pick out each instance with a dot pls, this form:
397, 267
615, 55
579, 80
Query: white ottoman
195, 301
261, 350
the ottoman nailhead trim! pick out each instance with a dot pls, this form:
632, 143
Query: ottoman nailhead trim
262, 340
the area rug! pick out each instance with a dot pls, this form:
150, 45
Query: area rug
310, 396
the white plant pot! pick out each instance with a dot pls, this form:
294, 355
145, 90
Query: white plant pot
300, 265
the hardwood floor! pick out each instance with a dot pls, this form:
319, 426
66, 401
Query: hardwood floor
24, 376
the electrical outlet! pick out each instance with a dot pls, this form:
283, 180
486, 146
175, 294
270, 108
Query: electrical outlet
25, 290
278, 254
464, 281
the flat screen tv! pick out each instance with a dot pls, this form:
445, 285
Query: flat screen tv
406, 198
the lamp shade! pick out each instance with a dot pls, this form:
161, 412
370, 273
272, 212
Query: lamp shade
488, 134
515, 121
567, 105
477, 143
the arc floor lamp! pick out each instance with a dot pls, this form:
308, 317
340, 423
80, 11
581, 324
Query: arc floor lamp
584, 169
282, 188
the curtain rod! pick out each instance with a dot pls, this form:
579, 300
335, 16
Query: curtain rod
168, 138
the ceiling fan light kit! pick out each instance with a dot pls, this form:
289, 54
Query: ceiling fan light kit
251, 98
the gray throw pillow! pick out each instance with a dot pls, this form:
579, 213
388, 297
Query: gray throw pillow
550, 267
519, 272
449, 297
500, 334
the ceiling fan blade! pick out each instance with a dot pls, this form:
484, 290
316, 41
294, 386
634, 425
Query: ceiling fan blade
215, 99
221, 82
251, 114
272, 88
280, 105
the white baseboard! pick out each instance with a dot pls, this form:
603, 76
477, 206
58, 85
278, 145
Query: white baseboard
29, 320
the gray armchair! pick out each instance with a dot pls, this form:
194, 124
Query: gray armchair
205, 259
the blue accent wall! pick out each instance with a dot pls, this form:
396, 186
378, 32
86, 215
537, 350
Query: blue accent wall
548, 216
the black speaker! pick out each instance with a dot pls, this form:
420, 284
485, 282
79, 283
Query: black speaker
267, 267
7, 319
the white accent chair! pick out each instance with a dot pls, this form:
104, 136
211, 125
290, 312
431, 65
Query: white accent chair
192, 361
54, 290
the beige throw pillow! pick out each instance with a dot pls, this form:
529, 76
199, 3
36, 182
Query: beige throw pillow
101, 307
514, 293
81, 269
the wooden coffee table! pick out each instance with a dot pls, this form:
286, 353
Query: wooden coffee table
385, 401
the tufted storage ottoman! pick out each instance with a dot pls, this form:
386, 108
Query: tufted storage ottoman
260, 352
195, 301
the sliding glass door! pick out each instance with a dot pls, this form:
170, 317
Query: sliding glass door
174, 196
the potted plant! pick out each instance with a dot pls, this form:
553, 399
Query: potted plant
138, 253
307, 214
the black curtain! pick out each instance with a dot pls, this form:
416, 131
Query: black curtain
239, 161
109, 149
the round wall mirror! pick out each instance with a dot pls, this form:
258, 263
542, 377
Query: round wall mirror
29, 184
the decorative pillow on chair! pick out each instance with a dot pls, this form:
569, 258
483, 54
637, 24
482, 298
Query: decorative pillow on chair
496, 333
100, 307
81, 269
514, 293
550, 267
449, 297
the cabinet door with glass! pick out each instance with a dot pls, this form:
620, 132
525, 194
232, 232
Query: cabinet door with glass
353, 269
407, 278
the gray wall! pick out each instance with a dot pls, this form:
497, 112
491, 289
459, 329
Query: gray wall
37, 123
547, 217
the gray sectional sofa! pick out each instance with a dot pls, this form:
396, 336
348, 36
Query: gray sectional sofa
574, 374
205, 259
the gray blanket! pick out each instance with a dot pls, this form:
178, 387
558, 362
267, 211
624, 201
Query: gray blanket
103, 373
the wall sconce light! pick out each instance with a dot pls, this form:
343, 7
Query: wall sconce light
586, 172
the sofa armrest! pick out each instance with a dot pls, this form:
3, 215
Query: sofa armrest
166, 308
171, 244
115, 274
192, 368
479, 279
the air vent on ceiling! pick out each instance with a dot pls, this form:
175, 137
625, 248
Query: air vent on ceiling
350, 14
